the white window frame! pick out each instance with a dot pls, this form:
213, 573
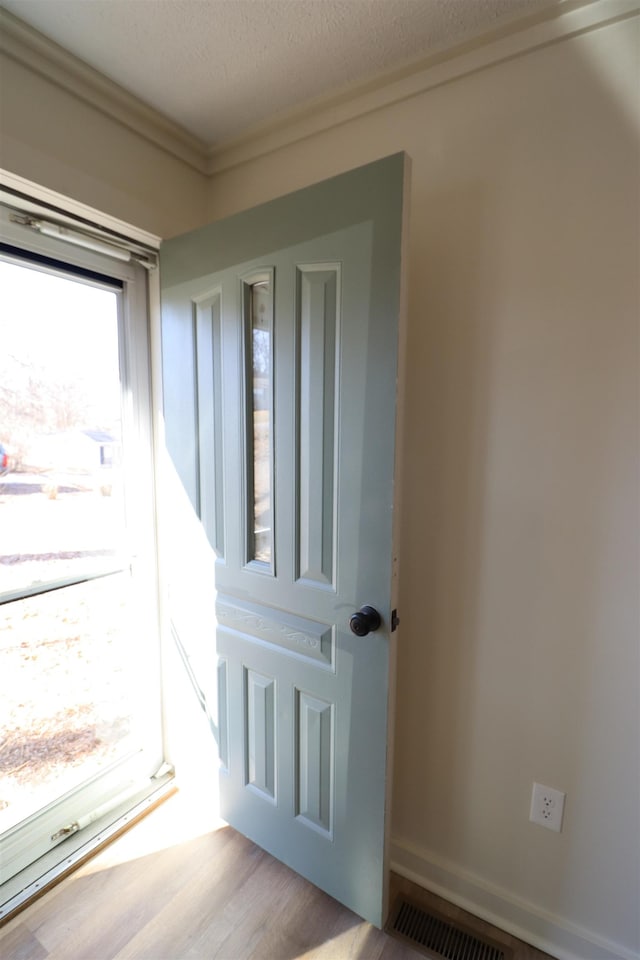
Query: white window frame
111, 797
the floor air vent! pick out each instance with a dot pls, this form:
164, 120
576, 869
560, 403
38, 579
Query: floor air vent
438, 937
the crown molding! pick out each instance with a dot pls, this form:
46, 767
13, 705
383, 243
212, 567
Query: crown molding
568, 19
27, 46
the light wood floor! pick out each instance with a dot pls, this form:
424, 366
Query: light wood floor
178, 886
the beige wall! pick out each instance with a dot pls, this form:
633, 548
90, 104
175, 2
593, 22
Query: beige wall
519, 638
55, 139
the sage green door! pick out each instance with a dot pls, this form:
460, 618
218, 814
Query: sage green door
280, 345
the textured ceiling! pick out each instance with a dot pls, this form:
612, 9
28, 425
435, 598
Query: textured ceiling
221, 67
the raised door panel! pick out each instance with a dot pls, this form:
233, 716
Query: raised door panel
318, 311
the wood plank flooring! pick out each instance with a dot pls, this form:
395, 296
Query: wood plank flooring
178, 886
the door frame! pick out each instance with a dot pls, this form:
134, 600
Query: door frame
398, 477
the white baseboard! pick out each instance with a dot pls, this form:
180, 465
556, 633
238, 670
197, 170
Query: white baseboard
546, 931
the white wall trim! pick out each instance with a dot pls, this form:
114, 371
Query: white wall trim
71, 210
569, 19
27, 46
548, 932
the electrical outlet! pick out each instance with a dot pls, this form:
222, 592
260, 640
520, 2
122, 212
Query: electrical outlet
547, 807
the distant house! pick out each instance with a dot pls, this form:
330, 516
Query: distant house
82, 452
107, 445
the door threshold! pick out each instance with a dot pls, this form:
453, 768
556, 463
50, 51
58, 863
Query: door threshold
38, 878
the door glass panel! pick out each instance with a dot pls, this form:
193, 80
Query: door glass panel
261, 366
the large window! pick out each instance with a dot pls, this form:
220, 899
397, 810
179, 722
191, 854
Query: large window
80, 722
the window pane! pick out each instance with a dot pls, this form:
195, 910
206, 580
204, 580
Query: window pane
79, 670
61, 500
70, 701
262, 365
66, 656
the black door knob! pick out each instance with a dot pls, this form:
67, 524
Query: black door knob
365, 621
